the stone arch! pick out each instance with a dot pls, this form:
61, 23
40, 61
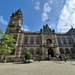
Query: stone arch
61, 51
38, 52
51, 52
67, 51
31, 50
48, 41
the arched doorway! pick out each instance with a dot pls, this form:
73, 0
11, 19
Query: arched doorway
51, 52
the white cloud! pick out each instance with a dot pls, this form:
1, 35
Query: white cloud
44, 16
3, 21
67, 17
25, 28
46, 10
37, 6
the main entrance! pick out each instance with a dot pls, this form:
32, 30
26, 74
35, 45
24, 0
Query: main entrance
51, 52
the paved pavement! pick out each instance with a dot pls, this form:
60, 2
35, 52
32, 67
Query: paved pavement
38, 68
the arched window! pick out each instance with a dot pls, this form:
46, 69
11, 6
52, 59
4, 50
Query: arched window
64, 40
69, 41
31, 50
67, 51
38, 51
48, 41
72, 51
37, 41
61, 51
26, 40
59, 41
31, 40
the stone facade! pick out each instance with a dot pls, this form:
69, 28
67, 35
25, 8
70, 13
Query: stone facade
43, 43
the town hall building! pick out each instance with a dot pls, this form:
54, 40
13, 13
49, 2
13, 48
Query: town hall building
43, 43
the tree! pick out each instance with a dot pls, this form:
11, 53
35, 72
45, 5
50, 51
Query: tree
28, 55
1, 32
6, 45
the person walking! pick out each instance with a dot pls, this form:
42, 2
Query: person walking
60, 57
65, 58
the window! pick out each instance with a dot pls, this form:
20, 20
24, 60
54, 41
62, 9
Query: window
48, 41
72, 51
26, 41
69, 41
67, 51
31, 40
31, 51
59, 41
38, 51
37, 41
61, 51
64, 40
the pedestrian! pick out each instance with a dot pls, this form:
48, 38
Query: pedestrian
60, 57
65, 58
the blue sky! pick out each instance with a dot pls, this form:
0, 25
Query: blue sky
61, 14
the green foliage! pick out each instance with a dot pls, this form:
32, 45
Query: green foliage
28, 55
1, 33
7, 44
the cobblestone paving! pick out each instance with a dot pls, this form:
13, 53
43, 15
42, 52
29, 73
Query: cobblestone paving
38, 68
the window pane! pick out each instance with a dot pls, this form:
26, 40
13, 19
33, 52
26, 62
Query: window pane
31, 41
59, 41
26, 41
37, 41
64, 40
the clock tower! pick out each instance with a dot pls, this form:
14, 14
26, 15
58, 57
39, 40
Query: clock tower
14, 29
15, 23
